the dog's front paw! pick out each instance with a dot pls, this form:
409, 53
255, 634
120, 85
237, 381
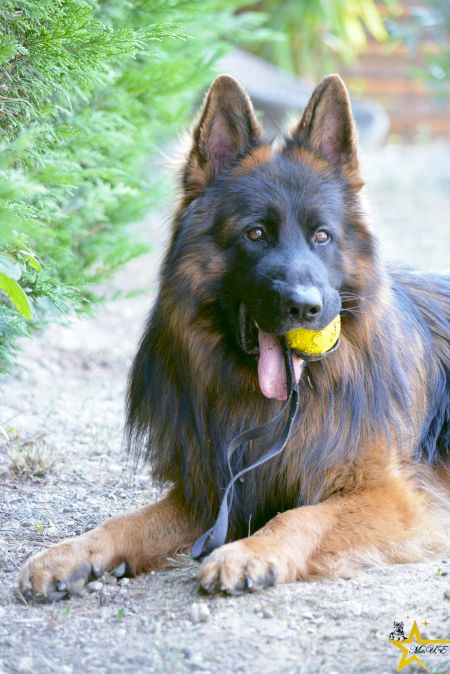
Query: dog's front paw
66, 567
244, 566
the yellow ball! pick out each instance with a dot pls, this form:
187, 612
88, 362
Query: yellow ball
315, 342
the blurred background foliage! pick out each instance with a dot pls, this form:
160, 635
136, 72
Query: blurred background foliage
318, 33
426, 23
89, 92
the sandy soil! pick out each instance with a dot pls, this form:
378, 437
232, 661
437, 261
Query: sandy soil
66, 398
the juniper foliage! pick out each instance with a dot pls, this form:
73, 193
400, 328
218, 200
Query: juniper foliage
88, 90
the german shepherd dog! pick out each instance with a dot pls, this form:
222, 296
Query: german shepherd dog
268, 239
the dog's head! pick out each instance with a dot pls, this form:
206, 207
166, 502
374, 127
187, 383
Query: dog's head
281, 235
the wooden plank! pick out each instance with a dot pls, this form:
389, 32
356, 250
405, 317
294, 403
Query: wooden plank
373, 87
407, 128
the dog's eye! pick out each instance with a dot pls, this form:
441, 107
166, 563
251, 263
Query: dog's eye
321, 236
256, 234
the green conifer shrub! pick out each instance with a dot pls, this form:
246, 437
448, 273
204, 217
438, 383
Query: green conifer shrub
89, 90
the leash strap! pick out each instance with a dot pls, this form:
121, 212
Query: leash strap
217, 535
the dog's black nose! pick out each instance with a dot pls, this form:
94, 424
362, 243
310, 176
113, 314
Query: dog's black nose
303, 303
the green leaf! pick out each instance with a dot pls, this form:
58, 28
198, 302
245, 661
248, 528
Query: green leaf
354, 32
16, 295
31, 259
373, 20
120, 613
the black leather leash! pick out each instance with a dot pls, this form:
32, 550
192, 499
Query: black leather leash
217, 535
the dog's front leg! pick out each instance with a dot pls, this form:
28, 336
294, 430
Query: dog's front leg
332, 537
134, 542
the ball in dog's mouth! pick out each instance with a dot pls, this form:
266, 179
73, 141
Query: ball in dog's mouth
272, 374
314, 342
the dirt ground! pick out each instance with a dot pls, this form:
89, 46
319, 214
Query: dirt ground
66, 401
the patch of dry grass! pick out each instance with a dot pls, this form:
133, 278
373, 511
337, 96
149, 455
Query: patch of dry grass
29, 457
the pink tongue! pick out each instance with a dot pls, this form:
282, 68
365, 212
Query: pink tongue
271, 369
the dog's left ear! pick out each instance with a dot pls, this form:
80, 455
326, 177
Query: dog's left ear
327, 126
227, 130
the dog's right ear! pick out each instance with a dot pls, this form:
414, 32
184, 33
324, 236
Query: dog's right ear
227, 130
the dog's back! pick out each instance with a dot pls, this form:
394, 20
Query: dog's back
425, 300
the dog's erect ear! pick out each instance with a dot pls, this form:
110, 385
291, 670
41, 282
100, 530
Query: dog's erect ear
226, 131
327, 126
